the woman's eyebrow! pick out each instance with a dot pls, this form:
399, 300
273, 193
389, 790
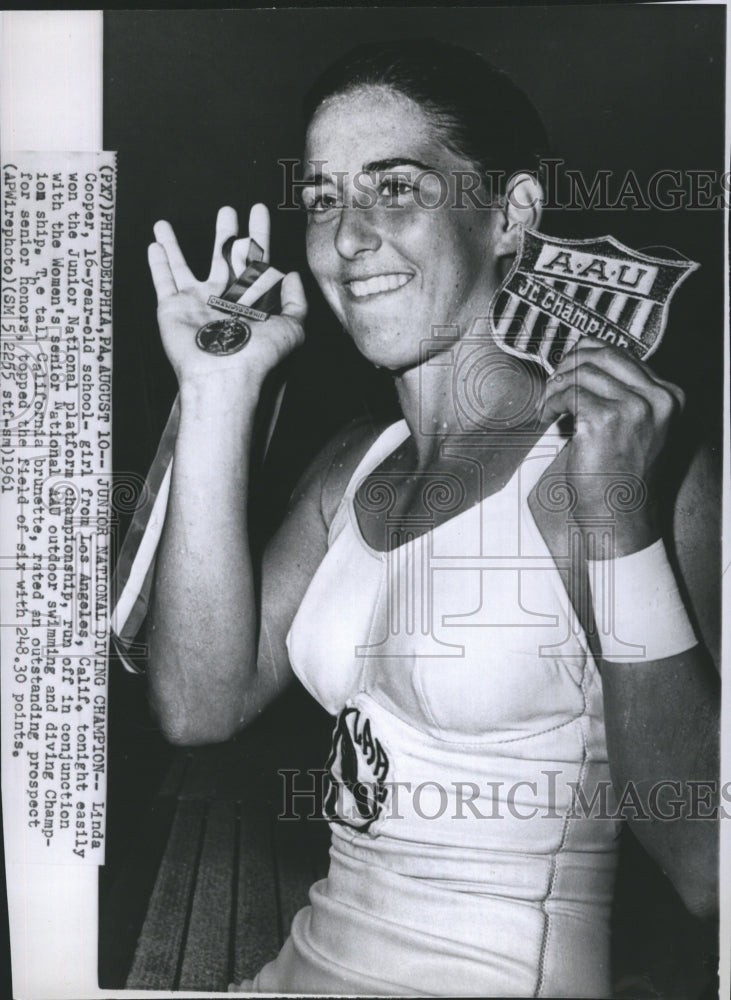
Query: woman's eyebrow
378, 166
318, 178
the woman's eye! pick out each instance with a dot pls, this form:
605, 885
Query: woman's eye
395, 187
318, 203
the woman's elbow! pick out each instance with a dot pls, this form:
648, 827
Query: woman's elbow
701, 902
705, 910
181, 734
697, 887
183, 728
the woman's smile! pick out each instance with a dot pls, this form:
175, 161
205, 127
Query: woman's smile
367, 242
377, 284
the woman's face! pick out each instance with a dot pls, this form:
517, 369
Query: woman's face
392, 267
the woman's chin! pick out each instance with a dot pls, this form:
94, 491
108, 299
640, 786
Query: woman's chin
387, 348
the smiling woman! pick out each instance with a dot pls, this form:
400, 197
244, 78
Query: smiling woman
431, 584
411, 164
393, 270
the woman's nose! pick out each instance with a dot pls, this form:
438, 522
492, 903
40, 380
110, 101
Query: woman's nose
357, 231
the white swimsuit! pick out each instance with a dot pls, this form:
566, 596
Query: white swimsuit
469, 722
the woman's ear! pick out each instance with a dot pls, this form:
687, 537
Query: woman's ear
522, 206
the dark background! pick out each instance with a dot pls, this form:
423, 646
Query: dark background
200, 105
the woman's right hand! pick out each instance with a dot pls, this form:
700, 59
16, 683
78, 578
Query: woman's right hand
182, 307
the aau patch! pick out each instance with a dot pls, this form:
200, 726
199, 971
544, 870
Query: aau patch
357, 768
559, 290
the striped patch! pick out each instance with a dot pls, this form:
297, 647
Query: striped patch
561, 290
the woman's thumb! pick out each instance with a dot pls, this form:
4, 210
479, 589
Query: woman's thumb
294, 303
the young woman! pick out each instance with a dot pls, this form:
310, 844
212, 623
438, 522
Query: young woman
429, 585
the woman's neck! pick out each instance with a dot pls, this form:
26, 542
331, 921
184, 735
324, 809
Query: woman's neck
470, 389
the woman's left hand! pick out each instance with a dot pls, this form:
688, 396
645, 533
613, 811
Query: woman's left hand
622, 412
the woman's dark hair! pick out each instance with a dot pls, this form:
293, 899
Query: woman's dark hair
481, 114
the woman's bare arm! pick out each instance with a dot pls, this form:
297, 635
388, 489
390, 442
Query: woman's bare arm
663, 719
218, 652
204, 619
218, 646
661, 714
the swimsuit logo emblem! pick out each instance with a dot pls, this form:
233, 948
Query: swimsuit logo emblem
355, 781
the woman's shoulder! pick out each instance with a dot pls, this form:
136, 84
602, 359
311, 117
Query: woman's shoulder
341, 457
320, 489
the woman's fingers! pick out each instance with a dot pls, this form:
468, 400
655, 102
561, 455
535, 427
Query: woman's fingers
227, 225
617, 365
180, 271
162, 277
259, 227
240, 254
601, 399
614, 359
294, 303
585, 404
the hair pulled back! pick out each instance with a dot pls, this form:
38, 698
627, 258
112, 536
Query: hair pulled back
478, 111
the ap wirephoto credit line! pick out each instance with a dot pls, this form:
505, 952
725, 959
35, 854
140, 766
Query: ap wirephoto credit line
361, 619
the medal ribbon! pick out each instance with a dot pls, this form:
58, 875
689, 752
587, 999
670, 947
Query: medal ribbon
254, 293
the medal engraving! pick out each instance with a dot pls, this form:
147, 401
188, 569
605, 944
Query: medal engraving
236, 309
223, 336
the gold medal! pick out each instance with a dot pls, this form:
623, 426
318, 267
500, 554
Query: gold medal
223, 336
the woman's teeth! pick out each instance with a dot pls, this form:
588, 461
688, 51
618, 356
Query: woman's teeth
380, 283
